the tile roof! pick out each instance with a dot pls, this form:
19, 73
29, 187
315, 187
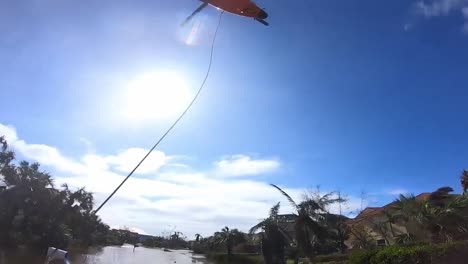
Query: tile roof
373, 211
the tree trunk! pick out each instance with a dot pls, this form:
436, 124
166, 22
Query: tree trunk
391, 229
229, 248
266, 251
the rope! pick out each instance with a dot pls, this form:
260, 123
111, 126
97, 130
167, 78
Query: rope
177, 120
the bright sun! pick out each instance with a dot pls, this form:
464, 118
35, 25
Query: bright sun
155, 96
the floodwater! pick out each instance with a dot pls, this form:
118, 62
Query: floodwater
110, 255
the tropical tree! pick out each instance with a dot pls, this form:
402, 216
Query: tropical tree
273, 237
361, 237
229, 238
337, 231
443, 217
464, 181
309, 214
404, 239
340, 232
6, 157
342, 229
176, 240
36, 213
197, 237
224, 237
390, 220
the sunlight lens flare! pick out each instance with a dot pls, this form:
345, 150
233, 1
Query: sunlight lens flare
155, 96
194, 33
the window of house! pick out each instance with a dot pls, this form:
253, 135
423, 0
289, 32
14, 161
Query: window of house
381, 242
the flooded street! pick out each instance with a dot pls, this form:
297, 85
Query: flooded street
109, 255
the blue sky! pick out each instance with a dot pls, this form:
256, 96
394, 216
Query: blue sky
349, 96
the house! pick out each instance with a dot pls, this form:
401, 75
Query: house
377, 225
287, 222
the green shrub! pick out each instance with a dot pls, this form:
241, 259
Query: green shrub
199, 249
304, 261
222, 258
363, 256
246, 248
419, 253
402, 255
453, 253
331, 258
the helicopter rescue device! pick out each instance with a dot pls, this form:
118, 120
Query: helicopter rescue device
245, 8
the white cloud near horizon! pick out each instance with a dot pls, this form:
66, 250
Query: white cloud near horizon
437, 8
241, 165
398, 191
191, 201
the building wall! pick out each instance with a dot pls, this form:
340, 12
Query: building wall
369, 225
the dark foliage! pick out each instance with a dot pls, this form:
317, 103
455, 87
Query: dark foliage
221, 258
37, 214
173, 241
423, 254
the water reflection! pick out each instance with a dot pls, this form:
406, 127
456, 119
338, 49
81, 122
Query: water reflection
108, 255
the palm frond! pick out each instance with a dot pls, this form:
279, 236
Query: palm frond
329, 198
310, 206
258, 226
275, 210
291, 201
314, 227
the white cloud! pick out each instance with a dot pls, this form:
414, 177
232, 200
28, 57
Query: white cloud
43, 154
8, 132
87, 143
241, 165
126, 160
465, 15
191, 201
436, 8
465, 12
398, 191
440, 7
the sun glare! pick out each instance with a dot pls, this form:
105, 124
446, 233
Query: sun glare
155, 96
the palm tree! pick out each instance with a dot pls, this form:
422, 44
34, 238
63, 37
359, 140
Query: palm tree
391, 219
440, 218
197, 237
309, 214
229, 238
274, 237
403, 239
226, 235
361, 237
464, 181
6, 156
